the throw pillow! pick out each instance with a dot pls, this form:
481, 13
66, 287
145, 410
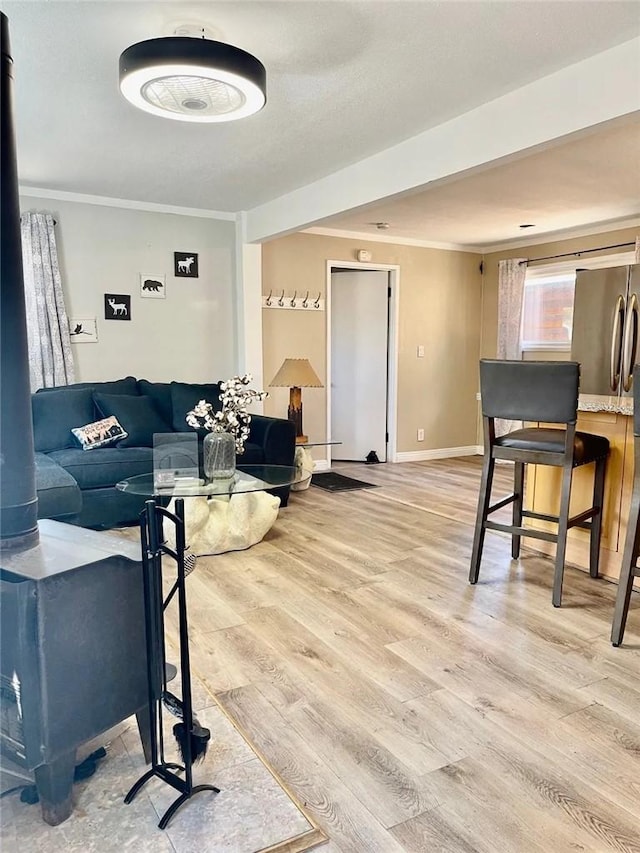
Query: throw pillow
56, 413
138, 416
99, 433
186, 395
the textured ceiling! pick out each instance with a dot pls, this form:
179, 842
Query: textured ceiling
594, 178
345, 79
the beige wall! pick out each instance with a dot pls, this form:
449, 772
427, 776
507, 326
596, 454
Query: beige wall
439, 307
189, 335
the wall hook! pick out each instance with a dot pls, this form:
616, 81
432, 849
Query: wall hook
306, 300
268, 300
293, 299
281, 300
316, 304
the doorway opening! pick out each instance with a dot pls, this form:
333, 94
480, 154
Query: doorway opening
362, 357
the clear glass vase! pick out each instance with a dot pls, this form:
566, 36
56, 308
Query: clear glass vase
219, 455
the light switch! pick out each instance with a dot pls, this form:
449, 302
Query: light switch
420, 351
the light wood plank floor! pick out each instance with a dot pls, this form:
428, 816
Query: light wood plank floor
407, 710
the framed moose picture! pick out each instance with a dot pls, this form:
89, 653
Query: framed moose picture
185, 264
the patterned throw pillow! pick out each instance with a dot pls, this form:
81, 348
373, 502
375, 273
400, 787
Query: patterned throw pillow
99, 433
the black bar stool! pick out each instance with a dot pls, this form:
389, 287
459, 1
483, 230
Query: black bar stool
546, 392
629, 569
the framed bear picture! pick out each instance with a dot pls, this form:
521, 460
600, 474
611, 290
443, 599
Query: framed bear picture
152, 286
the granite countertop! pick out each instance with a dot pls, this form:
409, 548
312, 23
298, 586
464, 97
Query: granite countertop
598, 403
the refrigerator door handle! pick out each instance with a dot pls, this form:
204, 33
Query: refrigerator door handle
616, 344
630, 342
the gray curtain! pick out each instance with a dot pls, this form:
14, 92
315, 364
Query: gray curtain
511, 276
50, 355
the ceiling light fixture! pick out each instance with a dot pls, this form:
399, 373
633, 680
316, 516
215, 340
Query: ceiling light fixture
192, 79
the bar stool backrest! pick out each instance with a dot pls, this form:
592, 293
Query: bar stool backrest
544, 391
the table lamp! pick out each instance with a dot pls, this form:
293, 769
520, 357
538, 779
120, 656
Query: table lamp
296, 374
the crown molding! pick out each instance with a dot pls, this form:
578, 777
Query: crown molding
566, 234
128, 204
385, 238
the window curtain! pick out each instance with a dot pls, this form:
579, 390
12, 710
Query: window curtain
50, 355
511, 276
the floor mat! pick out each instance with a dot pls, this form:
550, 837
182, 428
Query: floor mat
334, 482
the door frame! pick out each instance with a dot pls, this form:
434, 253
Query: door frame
392, 348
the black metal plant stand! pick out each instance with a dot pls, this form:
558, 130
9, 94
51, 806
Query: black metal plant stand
154, 547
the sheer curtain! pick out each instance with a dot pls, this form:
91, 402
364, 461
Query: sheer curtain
511, 276
50, 355
637, 257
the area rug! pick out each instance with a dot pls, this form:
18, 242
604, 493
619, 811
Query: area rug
331, 481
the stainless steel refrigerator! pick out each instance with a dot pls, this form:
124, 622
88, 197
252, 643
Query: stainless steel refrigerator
605, 329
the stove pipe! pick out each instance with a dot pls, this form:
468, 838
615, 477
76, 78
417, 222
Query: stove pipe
18, 500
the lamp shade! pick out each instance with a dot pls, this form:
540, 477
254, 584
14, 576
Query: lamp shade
296, 373
192, 79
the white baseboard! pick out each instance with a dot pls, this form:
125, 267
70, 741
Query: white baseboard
320, 465
439, 453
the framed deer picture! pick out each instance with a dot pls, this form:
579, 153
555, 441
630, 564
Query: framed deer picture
117, 306
185, 264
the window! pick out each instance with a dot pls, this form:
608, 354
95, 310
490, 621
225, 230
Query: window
547, 302
547, 311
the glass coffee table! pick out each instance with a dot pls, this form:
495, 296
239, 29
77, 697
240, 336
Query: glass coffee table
222, 515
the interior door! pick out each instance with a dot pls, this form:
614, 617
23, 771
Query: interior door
359, 345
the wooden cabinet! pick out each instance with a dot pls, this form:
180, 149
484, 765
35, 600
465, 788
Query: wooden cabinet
543, 494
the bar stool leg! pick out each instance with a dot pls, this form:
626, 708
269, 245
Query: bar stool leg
484, 500
596, 521
561, 546
627, 573
518, 488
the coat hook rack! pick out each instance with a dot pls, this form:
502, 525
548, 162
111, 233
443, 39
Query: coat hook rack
293, 301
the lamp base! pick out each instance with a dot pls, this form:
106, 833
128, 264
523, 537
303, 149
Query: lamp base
302, 439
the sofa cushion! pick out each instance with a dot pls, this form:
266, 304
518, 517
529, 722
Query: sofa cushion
106, 467
253, 455
138, 415
56, 413
99, 434
160, 393
128, 385
184, 396
58, 492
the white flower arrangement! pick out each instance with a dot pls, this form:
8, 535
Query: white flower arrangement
233, 416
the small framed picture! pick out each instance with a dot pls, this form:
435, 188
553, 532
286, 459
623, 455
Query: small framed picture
117, 306
152, 286
83, 330
185, 264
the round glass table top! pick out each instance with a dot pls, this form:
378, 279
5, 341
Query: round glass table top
247, 478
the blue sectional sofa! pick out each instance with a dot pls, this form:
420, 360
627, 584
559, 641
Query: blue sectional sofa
77, 486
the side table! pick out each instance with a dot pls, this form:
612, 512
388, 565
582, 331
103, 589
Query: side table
303, 461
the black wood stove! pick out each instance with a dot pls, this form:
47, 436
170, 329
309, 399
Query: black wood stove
72, 652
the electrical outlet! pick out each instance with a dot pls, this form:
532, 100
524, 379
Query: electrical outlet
420, 435
420, 351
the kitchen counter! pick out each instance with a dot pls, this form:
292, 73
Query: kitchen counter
598, 403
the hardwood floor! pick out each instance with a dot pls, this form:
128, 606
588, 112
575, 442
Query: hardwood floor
406, 709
